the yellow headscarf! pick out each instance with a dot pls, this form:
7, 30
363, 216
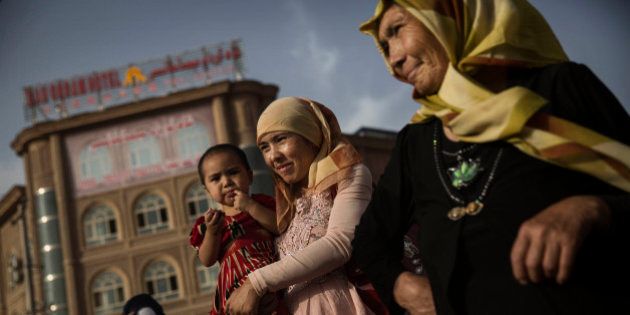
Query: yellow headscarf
475, 33
316, 123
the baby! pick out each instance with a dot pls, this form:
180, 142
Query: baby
240, 234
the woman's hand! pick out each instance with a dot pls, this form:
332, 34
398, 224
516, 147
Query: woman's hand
413, 293
546, 244
243, 301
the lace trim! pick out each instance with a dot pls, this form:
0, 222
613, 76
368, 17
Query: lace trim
309, 224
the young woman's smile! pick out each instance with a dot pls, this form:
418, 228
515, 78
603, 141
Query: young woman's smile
289, 155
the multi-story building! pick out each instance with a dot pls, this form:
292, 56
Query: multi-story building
110, 197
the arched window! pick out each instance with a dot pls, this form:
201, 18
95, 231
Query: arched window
207, 276
151, 214
198, 201
160, 280
192, 141
108, 295
95, 163
99, 225
144, 152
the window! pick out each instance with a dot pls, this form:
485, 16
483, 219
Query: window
207, 276
151, 214
95, 163
197, 201
160, 281
99, 224
144, 152
192, 141
108, 293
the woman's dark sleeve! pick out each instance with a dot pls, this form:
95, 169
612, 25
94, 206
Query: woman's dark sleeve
378, 242
579, 96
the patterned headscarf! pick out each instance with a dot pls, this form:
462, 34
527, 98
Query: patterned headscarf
317, 124
475, 33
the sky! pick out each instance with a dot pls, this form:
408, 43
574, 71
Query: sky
307, 48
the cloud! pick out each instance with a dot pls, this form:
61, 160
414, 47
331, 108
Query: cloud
11, 173
317, 59
389, 111
351, 86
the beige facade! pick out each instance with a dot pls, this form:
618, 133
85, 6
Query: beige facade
97, 242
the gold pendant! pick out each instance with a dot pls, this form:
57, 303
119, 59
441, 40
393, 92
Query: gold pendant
472, 208
456, 213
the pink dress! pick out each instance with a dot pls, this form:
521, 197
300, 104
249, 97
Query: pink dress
314, 249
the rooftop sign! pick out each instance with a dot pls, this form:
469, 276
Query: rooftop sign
101, 89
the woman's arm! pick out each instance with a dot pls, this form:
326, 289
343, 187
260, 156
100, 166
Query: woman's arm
264, 216
209, 249
329, 252
577, 95
378, 243
580, 97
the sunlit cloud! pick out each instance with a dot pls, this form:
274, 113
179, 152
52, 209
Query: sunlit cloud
316, 58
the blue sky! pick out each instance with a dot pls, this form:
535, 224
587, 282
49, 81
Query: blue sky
307, 48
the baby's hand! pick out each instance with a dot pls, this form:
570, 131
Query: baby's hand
213, 220
242, 201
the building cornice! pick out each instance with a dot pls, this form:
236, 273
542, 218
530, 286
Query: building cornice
43, 129
9, 200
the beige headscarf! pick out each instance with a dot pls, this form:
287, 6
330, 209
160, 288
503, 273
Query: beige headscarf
316, 123
475, 33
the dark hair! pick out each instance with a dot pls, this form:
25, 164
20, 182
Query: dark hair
221, 148
140, 301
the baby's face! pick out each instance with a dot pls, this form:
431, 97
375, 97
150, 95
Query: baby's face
223, 174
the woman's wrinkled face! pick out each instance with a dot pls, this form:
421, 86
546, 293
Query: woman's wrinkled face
289, 155
415, 55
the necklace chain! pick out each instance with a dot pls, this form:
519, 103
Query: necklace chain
458, 153
474, 207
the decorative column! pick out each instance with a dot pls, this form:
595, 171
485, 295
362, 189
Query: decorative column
246, 107
64, 223
221, 119
50, 251
42, 160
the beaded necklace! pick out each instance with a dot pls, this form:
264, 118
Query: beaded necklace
462, 208
461, 152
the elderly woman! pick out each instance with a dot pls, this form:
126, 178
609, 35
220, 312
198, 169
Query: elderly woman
322, 190
516, 167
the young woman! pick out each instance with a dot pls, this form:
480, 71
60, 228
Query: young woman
322, 190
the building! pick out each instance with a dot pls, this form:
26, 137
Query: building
15, 278
110, 197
